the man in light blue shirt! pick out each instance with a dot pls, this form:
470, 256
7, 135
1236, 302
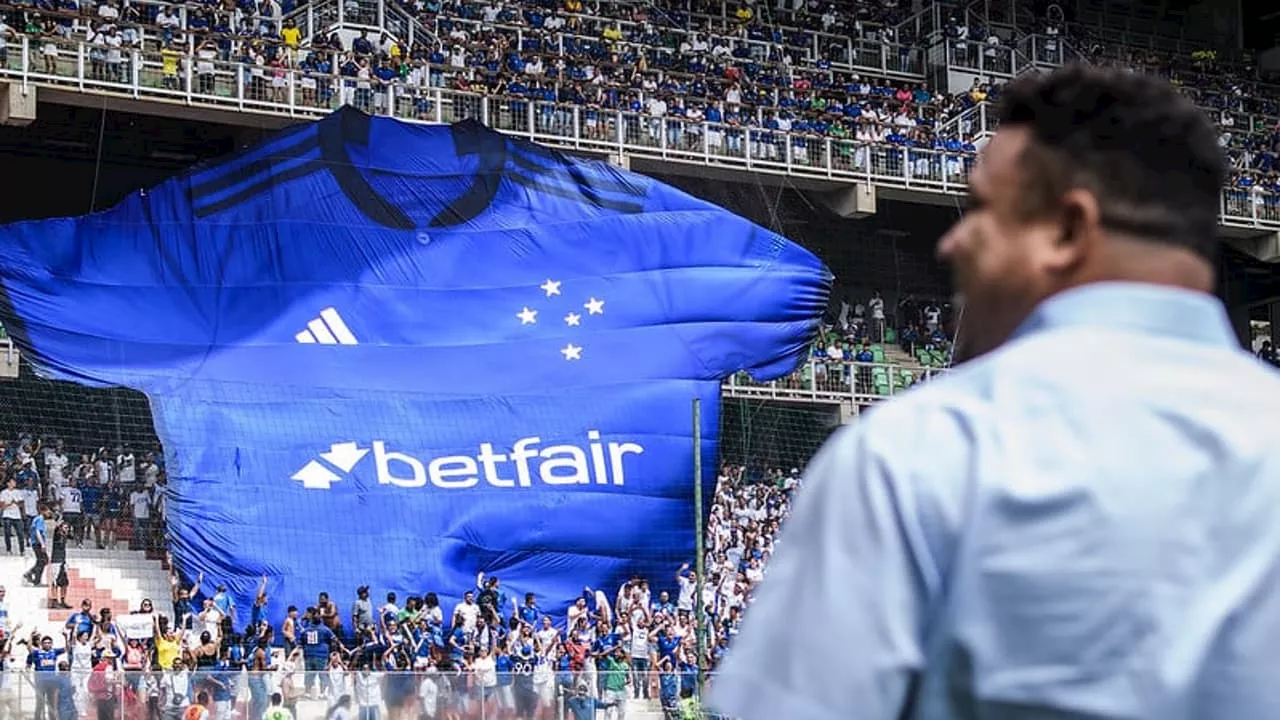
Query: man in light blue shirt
1083, 521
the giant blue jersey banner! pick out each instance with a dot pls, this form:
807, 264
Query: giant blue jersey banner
395, 355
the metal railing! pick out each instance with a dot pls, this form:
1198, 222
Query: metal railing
974, 123
980, 121
1005, 61
834, 381
295, 94
461, 688
1017, 51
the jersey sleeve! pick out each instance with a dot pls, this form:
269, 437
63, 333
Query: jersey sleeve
108, 299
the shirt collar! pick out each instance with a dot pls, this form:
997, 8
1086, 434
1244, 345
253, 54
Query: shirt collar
1137, 308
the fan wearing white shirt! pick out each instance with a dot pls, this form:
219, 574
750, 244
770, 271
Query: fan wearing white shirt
104, 469
5, 33
428, 693
368, 691
932, 316
150, 470
688, 585
30, 503
468, 611
639, 649
140, 502
876, 307
11, 502
72, 508
125, 469
9, 691
56, 462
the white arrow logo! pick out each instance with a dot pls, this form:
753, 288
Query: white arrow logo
344, 456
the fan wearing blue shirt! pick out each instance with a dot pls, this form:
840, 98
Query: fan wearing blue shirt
44, 661
224, 680
584, 707
39, 545
62, 684
45, 658
79, 622
89, 496
459, 642
525, 661
505, 666
667, 641
529, 612
317, 642
668, 685
606, 641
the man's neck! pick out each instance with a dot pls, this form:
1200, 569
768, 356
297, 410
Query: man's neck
1142, 261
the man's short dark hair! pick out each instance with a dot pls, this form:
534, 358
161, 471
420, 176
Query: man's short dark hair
1148, 154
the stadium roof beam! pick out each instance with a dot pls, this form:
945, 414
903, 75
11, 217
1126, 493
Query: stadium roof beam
698, 168
151, 106
1263, 246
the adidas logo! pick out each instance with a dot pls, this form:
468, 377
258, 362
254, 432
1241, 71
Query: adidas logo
328, 329
344, 456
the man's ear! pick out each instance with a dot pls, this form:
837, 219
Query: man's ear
1079, 218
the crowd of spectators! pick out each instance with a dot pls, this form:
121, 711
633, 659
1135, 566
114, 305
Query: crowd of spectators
1245, 108
673, 64
107, 497
495, 654
850, 354
687, 62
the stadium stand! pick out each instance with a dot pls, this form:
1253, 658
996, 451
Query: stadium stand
113, 500
834, 87
839, 90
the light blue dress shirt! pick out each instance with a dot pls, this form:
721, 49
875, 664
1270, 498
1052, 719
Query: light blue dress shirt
1084, 523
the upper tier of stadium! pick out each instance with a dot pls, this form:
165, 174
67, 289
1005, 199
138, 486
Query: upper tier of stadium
846, 82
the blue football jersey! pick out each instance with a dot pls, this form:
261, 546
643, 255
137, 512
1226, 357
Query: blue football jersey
387, 354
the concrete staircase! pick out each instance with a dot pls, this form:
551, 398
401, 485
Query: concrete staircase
644, 710
897, 356
117, 579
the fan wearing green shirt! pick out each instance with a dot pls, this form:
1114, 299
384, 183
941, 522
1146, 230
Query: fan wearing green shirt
277, 710
615, 671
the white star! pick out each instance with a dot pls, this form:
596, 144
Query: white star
527, 316
594, 307
551, 287
573, 319
571, 352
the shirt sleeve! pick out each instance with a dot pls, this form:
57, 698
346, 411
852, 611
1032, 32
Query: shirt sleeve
857, 567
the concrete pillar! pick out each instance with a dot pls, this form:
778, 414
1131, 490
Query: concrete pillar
1273, 316
1234, 290
1239, 315
855, 200
17, 104
848, 413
